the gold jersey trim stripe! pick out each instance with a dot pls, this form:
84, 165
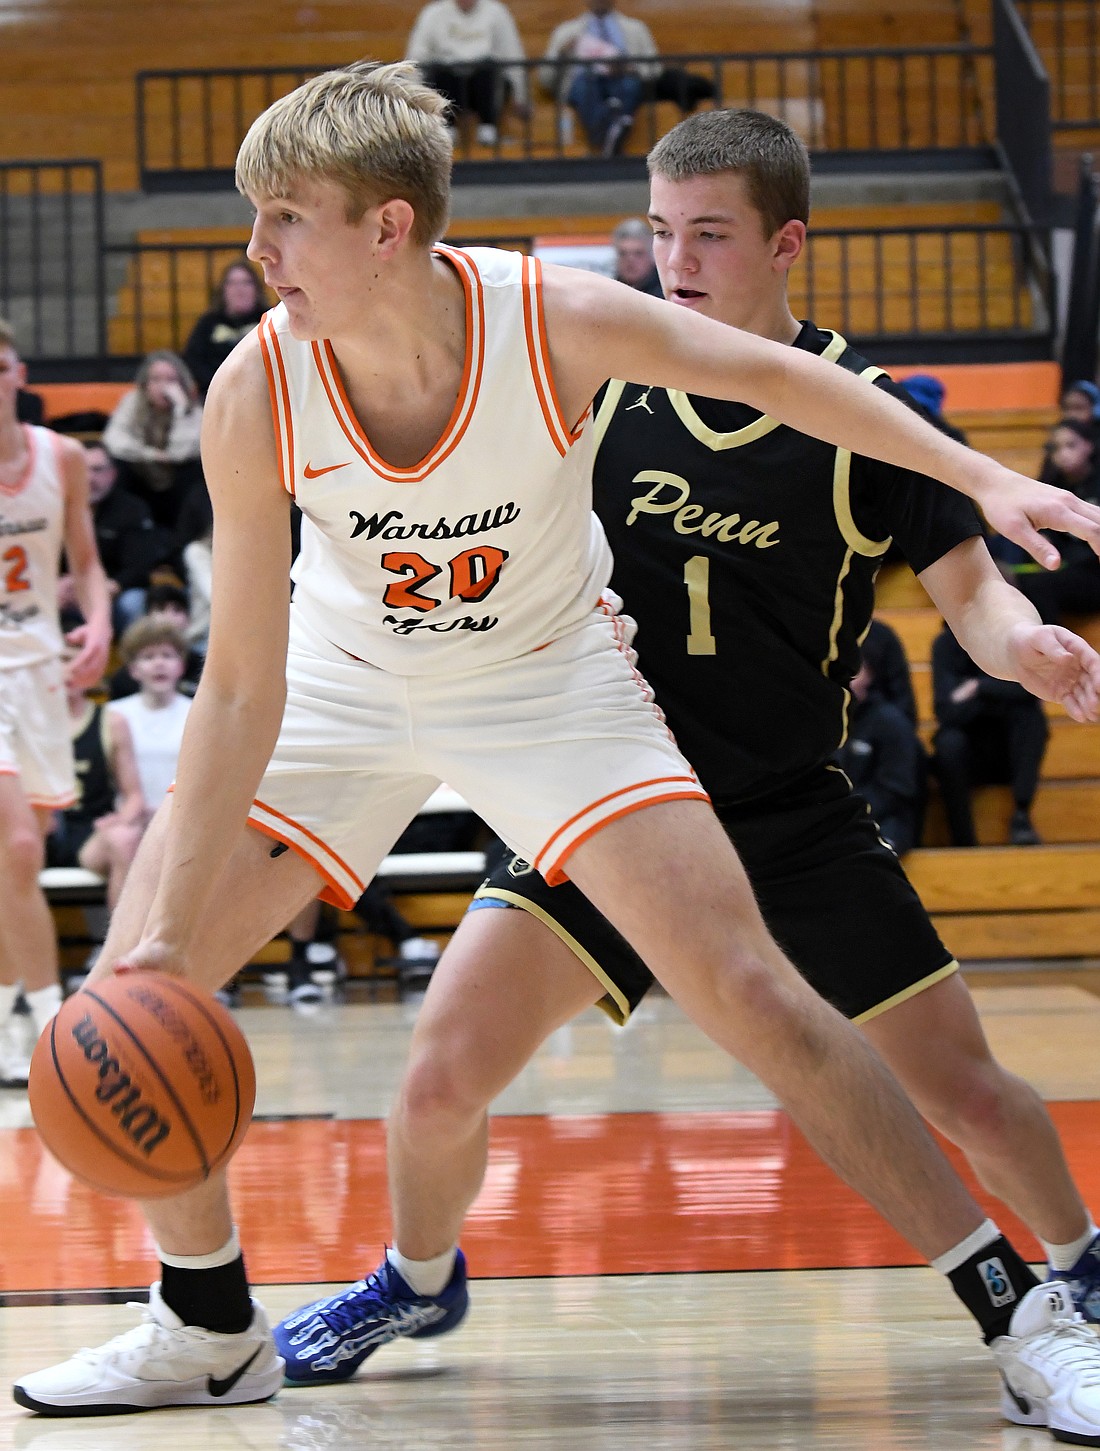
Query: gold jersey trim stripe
615, 390
909, 992
615, 1004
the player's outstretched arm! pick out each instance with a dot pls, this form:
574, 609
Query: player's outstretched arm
1002, 633
92, 639
600, 329
234, 721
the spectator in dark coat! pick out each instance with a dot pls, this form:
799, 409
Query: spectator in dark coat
130, 544
884, 760
889, 665
989, 731
634, 264
238, 305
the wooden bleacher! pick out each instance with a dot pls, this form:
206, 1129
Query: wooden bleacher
67, 68
1053, 889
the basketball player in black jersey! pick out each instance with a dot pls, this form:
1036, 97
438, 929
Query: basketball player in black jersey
748, 554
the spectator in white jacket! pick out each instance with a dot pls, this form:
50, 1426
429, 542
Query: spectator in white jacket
457, 44
606, 92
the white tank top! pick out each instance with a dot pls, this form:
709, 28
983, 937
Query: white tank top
157, 735
483, 551
32, 518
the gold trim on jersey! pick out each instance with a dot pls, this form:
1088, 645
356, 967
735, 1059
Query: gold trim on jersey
614, 1002
910, 992
707, 436
607, 409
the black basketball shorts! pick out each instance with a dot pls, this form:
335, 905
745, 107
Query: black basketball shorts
832, 893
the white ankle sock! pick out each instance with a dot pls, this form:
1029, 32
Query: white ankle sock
1063, 1257
426, 1277
229, 1252
985, 1234
43, 1003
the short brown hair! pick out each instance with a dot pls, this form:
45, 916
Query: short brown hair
376, 130
143, 634
762, 149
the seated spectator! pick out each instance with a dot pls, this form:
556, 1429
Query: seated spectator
890, 676
1081, 402
130, 545
456, 44
634, 264
153, 434
928, 390
165, 604
607, 92
149, 725
237, 307
884, 760
101, 830
1072, 462
989, 731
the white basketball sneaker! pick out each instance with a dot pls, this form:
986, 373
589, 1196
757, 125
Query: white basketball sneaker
1050, 1365
161, 1362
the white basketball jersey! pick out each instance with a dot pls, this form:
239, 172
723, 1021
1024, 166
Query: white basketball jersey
157, 735
488, 547
32, 518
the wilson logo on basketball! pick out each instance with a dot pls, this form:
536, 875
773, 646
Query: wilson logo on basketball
140, 1122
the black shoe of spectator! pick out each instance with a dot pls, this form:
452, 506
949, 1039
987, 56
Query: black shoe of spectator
1020, 830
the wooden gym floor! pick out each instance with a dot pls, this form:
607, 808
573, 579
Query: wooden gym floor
660, 1258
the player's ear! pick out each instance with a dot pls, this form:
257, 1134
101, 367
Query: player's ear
395, 223
789, 242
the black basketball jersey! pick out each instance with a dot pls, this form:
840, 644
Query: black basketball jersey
95, 788
747, 552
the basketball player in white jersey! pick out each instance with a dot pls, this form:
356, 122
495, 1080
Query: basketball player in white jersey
43, 507
430, 411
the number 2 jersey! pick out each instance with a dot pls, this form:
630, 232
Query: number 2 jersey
747, 553
484, 550
32, 519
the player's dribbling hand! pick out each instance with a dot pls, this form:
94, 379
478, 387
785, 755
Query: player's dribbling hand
1019, 508
1055, 664
151, 955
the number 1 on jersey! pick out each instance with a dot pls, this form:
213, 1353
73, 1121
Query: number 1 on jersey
700, 641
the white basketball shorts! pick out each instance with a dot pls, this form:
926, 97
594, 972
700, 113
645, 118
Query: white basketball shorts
35, 744
547, 749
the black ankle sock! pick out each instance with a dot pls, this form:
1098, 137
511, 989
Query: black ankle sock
298, 950
216, 1299
991, 1284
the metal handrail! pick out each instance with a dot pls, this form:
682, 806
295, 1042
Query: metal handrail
850, 98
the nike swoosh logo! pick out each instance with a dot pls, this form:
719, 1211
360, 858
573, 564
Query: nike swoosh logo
312, 473
223, 1387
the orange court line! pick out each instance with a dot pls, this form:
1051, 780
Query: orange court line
586, 1195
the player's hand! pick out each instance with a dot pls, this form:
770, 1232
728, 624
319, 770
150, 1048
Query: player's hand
1018, 508
151, 955
1055, 664
92, 646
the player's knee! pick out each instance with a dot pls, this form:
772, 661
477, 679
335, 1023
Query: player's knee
442, 1087
23, 855
973, 1104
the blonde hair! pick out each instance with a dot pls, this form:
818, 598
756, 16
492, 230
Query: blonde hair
7, 335
148, 632
376, 130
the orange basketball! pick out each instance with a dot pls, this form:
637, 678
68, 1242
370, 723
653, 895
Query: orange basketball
142, 1085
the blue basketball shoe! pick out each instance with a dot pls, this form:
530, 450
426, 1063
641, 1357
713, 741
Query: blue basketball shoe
330, 1339
1084, 1282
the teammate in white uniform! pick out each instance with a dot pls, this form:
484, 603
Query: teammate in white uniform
443, 398
43, 506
